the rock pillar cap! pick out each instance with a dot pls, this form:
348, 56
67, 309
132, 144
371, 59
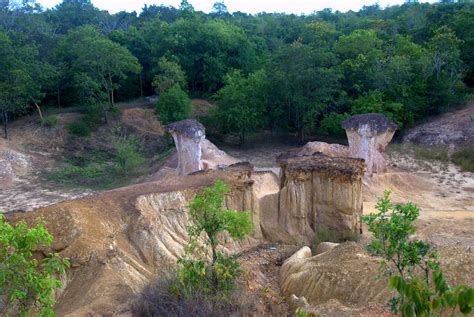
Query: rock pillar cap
375, 121
189, 127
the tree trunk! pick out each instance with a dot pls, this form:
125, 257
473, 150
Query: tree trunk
141, 85
5, 122
111, 99
301, 133
40, 113
104, 113
59, 97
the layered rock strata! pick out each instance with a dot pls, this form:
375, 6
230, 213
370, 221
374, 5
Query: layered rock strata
319, 191
120, 240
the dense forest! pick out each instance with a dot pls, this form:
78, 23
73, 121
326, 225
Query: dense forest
301, 74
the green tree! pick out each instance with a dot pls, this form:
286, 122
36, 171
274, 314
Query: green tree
128, 155
173, 105
241, 104
209, 220
373, 102
85, 51
302, 81
411, 264
169, 74
15, 83
27, 284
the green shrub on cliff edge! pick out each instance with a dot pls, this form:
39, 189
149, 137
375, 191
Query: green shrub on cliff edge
412, 265
209, 220
27, 283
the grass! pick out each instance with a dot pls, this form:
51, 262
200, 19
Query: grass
327, 234
164, 298
432, 154
99, 169
464, 158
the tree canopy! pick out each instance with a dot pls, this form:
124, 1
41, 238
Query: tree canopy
286, 72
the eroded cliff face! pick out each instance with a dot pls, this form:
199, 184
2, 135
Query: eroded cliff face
344, 274
119, 241
317, 191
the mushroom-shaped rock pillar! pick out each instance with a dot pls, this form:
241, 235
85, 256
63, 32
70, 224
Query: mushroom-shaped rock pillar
368, 135
188, 136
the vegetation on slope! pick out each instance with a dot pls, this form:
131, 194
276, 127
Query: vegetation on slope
300, 74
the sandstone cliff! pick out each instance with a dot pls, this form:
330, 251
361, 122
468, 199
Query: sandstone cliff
120, 240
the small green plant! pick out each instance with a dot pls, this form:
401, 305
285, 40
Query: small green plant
209, 221
79, 128
412, 265
27, 284
50, 121
464, 158
128, 156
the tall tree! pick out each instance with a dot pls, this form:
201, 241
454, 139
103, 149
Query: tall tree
14, 83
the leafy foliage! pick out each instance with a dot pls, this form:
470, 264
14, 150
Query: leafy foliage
27, 283
297, 74
169, 74
173, 105
209, 221
127, 155
412, 265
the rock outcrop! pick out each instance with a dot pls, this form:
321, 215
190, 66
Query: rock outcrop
368, 135
120, 240
188, 136
333, 150
195, 152
319, 191
12, 165
345, 273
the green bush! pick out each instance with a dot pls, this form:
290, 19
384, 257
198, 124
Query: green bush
464, 158
331, 124
412, 265
79, 128
128, 156
209, 220
27, 284
50, 121
87, 124
173, 105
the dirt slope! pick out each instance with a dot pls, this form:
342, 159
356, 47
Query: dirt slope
451, 128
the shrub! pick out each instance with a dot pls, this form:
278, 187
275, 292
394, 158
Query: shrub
331, 124
79, 128
464, 158
91, 120
209, 220
173, 105
27, 284
163, 299
50, 121
411, 264
128, 156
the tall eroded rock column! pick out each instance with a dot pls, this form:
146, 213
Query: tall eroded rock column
188, 136
319, 191
368, 135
